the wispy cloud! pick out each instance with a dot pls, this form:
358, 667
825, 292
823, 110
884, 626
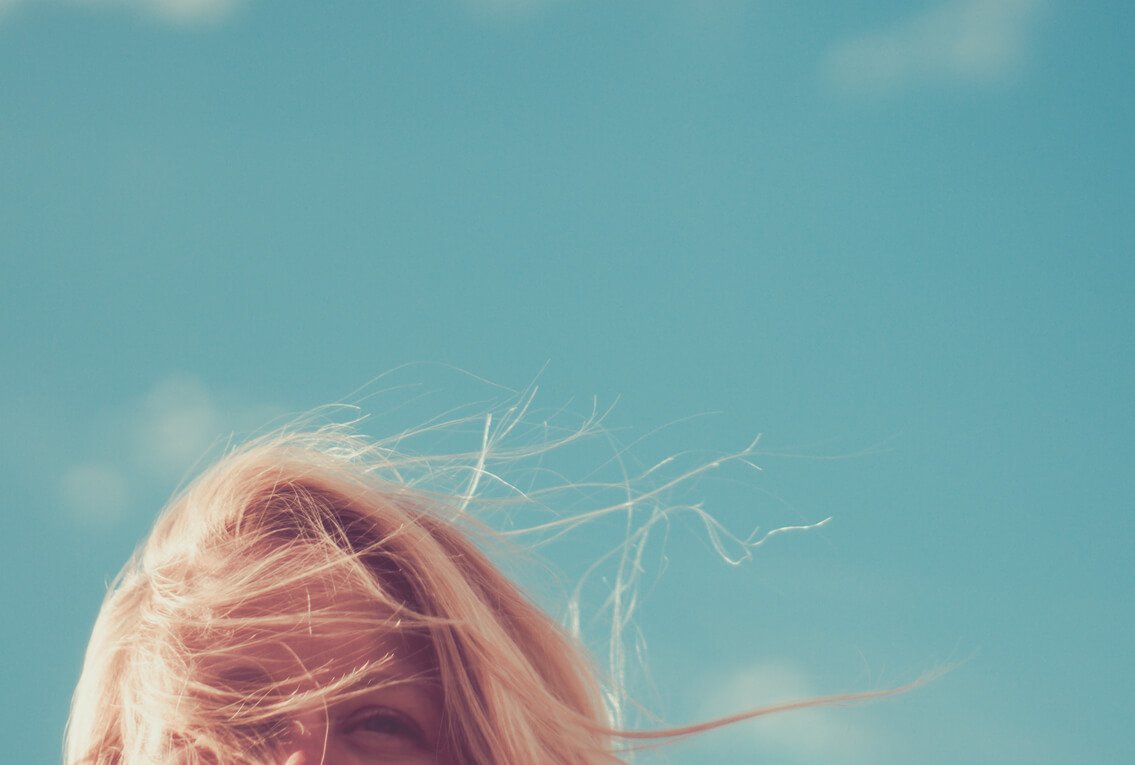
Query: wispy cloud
174, 424
185, 11
154, 442
174, 12
95, 492
968, 41
808, 735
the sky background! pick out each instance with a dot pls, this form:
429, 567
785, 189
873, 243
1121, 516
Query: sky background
894, 239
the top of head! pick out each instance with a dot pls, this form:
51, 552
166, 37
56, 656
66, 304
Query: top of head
293, 541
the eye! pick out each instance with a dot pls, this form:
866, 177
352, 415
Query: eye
383, 726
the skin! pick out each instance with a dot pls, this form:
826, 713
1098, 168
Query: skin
397, 725
397, 722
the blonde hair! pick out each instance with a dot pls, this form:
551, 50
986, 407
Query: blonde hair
232, 564
300, 533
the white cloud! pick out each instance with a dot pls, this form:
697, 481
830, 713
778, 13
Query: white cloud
821, 734
95, 493
188, 11
175, 424
174, 12
180, 421
971, 41
145, 447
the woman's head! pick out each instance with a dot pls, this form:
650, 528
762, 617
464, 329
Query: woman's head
290, 604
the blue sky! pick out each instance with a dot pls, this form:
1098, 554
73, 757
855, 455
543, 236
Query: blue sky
895, 239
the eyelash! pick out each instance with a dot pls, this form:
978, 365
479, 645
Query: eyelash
390, 723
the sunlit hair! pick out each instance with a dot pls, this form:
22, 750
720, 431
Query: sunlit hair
305, 533
250, 552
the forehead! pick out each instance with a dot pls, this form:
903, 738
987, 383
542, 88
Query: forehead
304, 639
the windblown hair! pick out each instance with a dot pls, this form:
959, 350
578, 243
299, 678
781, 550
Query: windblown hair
316, 534
293, 535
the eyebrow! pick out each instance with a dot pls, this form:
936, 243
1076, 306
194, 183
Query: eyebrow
422, 700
